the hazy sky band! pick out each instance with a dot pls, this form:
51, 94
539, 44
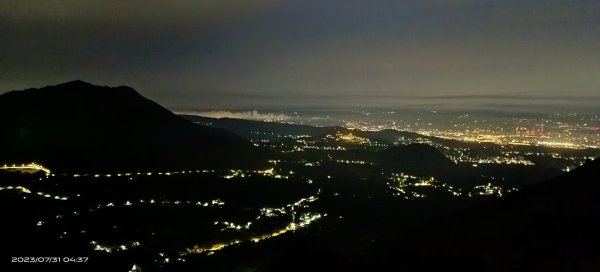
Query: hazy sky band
206, 53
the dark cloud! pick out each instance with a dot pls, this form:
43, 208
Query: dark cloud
188, 53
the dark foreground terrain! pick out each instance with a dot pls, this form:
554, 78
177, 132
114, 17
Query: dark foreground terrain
153, 191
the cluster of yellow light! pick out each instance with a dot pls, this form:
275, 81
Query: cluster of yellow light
111, 249
560, 144
338, 148
135, 268
425, 182
52, 196
32, 167
229, 174
268, 172
351, 162
401, 182
352, 139
131, 174
197, 250
502, 139
306, 220
494, 160
417, 195
490, 189
231, 225
27, 191
23, 189
213, 203
273, 212
304, 200
236, 173
290, 227
367, 126
301, 221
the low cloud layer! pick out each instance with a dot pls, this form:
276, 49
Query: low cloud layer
198, 54
248, 115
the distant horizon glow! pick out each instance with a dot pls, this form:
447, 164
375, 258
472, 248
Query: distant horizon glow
253, 108
234, 54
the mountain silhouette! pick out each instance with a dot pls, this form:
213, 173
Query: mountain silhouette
418, 159
80, 126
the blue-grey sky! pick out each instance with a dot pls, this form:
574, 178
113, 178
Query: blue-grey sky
243, 53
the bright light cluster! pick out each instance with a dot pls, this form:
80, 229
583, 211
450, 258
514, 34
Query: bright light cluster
402, 184
491, 190
115, 248
22, 189
298, 221
27, 168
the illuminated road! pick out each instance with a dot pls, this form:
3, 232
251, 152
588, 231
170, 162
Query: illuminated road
298, 219
32, 168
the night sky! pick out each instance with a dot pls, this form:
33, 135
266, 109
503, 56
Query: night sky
243, 53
